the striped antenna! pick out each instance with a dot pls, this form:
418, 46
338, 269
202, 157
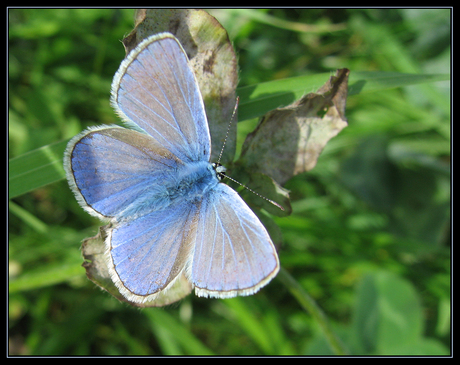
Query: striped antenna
228, 130
254, 192
220, 170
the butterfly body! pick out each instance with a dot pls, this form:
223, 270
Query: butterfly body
170, 215
193, 181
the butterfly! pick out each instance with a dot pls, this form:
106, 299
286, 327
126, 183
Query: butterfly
170, 214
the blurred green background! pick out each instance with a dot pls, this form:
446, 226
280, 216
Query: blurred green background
369, 237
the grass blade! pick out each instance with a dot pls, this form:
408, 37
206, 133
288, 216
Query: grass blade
36, 168
256, 100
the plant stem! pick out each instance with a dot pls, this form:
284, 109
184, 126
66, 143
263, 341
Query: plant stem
312, 308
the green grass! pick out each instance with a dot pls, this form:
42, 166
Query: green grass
366, 252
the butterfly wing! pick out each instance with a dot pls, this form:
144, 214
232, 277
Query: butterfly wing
233, 252
156, 90
117, 172
147, 254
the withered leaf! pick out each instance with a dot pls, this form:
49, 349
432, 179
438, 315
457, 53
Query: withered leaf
93, 251
289, 140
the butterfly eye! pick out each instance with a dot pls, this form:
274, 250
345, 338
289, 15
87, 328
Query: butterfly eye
220, 170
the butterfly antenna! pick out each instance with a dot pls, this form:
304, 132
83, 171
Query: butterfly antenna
221, 172
254, 192
228, 129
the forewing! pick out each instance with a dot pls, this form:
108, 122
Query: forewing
147, 254
156, 90
233, 252
117, 172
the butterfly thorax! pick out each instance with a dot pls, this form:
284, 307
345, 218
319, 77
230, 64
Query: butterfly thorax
193, 181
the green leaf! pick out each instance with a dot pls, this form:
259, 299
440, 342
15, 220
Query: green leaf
35, 169
388, 314
256, 100
412, 205
371, 81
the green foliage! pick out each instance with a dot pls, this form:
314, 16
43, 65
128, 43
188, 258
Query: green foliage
368, 239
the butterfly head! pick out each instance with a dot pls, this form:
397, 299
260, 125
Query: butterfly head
220, 170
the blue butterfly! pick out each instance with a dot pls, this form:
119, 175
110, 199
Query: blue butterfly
170, 215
